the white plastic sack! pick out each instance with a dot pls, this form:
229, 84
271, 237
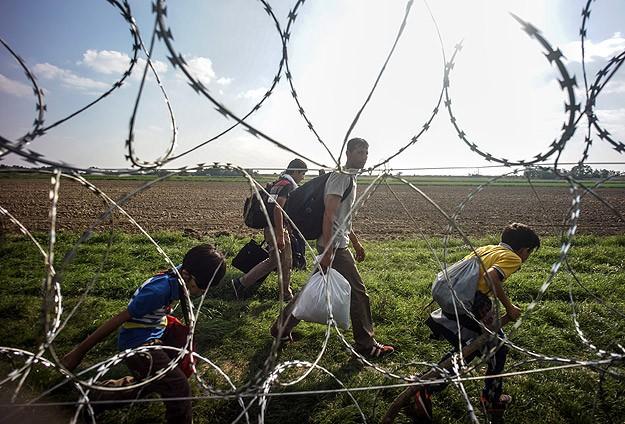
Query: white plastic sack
312, 305
457, 285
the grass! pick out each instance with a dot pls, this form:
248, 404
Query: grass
234, 334
426, 180
475, 180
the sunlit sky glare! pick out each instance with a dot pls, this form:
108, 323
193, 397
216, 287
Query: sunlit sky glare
504, 92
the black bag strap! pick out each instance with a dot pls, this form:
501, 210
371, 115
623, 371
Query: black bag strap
347, 191
349, 188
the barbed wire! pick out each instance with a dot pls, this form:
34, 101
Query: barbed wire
40, 105
260, 388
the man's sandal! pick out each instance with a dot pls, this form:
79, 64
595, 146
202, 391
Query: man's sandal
377, 350
498, 406
495, 409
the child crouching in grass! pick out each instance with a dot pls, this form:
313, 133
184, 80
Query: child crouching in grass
144, 323
498, 262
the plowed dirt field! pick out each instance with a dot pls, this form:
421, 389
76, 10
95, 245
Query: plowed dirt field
215, 207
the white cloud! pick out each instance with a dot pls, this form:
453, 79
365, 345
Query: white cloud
611, 116
604, 49
114, 62
612, 120
67, 78
224, 81
254, 94
159, 67
615, 87
14, 88
105, 61
202, 69
149, 130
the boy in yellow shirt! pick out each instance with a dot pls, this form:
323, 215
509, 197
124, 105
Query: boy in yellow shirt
518, 241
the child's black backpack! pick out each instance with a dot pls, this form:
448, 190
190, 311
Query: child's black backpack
252, 211
305, 206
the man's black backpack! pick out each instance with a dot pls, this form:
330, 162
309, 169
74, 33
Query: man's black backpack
305, 206
252, 211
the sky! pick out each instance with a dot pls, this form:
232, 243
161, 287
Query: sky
505, 94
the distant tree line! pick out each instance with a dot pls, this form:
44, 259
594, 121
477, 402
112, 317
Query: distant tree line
13, 167
579, 172
213, 172
542, 173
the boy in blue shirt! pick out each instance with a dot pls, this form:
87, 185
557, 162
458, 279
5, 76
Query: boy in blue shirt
144, 323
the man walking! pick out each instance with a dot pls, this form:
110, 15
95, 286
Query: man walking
337, 233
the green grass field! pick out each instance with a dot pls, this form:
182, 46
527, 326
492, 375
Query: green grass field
234, 334
426, 180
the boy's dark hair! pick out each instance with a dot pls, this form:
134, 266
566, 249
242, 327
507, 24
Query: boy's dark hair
518, 236
203, 262
356, 142
296, 165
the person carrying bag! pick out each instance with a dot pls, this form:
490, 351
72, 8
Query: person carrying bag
278, 194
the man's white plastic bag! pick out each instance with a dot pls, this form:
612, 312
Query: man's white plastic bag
312, 302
